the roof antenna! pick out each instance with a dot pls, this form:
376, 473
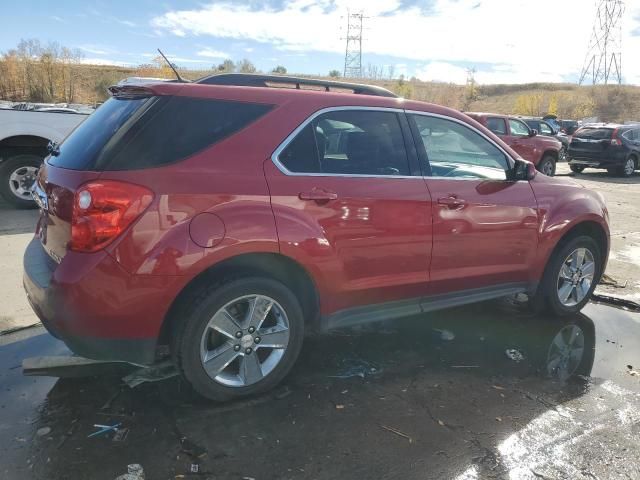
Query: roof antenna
180, 79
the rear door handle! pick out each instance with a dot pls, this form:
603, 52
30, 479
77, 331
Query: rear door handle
452, 202
318, 195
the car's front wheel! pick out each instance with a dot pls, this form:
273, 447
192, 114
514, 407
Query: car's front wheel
238, 339
570, 277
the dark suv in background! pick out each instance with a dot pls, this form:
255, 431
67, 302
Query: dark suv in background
610, 146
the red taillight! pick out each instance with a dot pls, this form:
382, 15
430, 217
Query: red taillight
102, 210
614, 138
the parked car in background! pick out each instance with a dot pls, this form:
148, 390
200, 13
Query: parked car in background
611, 146
224, 222
545, 128
564, 126
25, 132
543, 152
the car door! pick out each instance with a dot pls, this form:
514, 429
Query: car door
484, 225
349, 207
521, 141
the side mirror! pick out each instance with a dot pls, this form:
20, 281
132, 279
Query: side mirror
523, 170
533, 132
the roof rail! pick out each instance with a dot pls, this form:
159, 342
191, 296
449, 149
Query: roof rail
280, 81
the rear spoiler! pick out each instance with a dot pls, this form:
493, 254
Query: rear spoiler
130, 91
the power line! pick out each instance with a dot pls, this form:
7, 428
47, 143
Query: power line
604, 53
353, 48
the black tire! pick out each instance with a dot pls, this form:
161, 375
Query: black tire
7, 168
546, 297
562, 154
191, 321
548, 165
576, 168
613, 171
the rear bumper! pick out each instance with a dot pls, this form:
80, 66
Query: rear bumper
596, 161
95, 307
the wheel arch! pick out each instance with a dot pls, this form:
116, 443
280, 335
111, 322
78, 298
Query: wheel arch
29, 143
589, 228
271, 265
552, 153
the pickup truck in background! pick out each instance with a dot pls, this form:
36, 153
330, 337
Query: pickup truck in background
25, 133
542, 151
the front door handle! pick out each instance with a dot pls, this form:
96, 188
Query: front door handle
318, 195
452, 202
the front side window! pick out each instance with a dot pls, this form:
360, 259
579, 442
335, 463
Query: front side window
349, 142
497, 125
456, 151
518, 128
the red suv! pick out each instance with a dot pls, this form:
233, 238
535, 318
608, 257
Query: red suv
540, 150
226, 221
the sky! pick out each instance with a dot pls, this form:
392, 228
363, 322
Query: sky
505, 41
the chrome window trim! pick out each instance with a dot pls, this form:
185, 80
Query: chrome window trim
510, 160
285, 143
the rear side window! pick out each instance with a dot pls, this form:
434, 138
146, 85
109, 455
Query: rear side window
590, 133
349, 142
497, 125
144, 133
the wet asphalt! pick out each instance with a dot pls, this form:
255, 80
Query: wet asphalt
485, 391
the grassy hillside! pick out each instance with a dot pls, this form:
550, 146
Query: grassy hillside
567, 100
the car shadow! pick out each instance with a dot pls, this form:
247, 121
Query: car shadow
440, 393
14, 221
604, 176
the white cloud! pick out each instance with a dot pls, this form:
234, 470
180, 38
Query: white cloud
211, 53
541, 41
105, 61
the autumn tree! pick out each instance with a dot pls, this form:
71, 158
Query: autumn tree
279, 70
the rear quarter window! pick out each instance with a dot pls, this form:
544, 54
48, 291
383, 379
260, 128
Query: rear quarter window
176, 128
594, 133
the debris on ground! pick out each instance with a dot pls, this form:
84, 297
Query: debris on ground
66, 366
465, 366
397, 432
43, 431
134, 472
514, 354
339, 406
632, 372
357, 367
284, 392
121, 435
104, 429
611, 282
154, 373
445, 335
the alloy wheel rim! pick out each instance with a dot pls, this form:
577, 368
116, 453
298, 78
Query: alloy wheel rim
21, 181
548, 169
244, 340
629, 167
565, 352
575, 277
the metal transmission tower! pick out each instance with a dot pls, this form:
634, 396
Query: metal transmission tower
353, 50
604, 55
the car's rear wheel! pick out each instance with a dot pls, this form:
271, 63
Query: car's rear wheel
628, 168
570, 277
238, 339
576, 168
547, 166
17, 176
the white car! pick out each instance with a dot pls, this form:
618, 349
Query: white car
24, 136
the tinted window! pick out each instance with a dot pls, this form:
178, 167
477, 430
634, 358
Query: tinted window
301, 155
350, 142
518, 128
175, 128
594, 133
454, 150
141, 133
497, 126
80, 149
